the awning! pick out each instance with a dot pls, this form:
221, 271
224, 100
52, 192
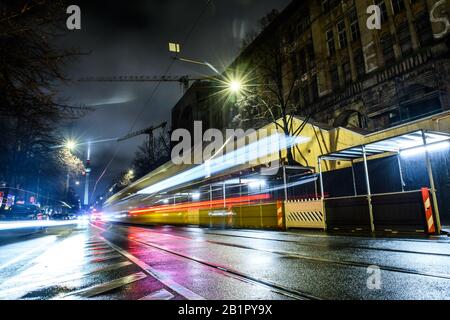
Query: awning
397, 144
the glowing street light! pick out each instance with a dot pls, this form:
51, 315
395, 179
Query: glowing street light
70, 144
235, 86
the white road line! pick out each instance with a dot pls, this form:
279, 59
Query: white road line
103, 259
22, 256
96, 249
105, 287
98, 253
162, 294
188, 294
94, 246
89, 245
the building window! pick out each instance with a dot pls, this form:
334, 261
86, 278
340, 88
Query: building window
335, 83
330, 42
294, 63
315, 88
423, 28
302, 62
310, 50
404, 38
358, 57
327, 5
342, 34
303, 25
354, 25
398, 6
388, 49
383, 9
305, 94
347, 72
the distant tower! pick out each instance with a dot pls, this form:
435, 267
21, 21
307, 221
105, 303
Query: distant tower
88, 172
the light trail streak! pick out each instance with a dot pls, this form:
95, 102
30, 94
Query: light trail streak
248, 154
213, 204
33, 224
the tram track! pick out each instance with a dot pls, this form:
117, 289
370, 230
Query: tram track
300, 243
333, 246
287, 254
274, 287
346, 263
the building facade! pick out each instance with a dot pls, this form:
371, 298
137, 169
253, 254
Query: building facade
348, 75
372, 79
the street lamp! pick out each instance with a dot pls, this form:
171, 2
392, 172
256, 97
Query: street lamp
70, 144
235, 86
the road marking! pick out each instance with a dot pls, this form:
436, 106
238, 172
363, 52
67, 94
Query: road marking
22, 256
188, 294
95, 246
105, 287
18, 292
274, 287
103, 259
162, 294
96, 243
98, 253
96, 249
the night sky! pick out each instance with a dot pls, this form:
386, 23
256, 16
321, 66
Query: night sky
131, 38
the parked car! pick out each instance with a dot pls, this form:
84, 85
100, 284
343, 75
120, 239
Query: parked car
63, 216
2, 214
25, 212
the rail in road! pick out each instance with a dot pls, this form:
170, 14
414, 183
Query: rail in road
110, 261
304, 257
294, 255
309, 243
278, 288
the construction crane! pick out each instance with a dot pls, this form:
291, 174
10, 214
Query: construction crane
148, 131
183, 80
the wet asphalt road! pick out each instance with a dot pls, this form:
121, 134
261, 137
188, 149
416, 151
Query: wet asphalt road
99, 260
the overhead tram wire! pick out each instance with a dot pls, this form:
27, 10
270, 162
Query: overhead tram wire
141, 111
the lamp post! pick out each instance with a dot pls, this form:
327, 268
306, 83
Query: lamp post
70, 145
88, 172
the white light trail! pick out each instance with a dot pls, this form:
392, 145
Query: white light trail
33, 224
248, 154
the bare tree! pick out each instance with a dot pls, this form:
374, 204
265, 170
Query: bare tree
30, 70
270, 93
152, 154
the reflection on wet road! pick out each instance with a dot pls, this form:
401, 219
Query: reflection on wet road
97, 260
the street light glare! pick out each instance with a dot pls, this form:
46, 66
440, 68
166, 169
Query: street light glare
235, 86
70, 144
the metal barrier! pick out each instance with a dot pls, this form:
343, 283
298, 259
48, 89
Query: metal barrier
347, 213
308, 214
403, 211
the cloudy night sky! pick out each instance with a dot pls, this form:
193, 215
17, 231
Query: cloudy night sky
131, 38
